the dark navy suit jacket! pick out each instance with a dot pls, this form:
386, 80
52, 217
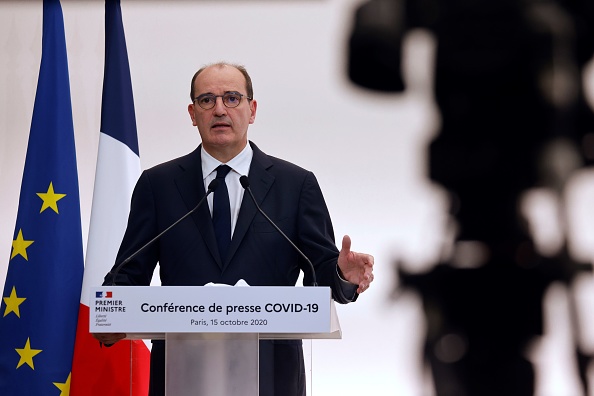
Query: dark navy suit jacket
188, 254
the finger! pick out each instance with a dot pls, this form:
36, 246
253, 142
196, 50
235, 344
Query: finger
367, 260
346, 244
362, 288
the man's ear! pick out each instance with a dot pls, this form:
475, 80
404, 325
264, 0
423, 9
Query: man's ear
191, 111
253, 108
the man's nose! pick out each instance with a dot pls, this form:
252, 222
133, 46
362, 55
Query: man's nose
220, 108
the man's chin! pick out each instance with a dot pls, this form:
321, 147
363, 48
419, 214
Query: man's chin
229, 148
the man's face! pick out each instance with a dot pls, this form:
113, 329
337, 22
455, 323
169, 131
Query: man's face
223, 130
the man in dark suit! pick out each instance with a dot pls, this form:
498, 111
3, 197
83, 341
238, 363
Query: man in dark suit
191, 254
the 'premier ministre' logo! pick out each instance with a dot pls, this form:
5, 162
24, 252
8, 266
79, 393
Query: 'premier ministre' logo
104, 302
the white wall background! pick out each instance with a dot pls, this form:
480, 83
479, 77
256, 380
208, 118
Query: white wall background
308, 113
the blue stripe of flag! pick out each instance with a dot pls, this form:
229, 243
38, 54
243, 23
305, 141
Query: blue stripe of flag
118, 118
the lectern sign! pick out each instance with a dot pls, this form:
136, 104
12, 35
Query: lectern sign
209, 309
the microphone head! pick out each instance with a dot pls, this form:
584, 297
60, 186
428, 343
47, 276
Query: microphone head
213, 185
245, 183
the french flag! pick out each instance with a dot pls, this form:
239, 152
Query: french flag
122, 369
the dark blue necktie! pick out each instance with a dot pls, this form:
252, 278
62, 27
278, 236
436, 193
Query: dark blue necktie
221, 213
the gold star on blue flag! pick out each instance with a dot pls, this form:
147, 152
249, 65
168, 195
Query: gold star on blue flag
41, 294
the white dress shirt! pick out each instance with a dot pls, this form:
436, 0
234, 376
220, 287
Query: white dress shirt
240, 166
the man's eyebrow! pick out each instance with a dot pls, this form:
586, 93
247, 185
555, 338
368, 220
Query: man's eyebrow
211, 93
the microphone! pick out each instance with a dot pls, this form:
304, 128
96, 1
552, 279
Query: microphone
211, 187
245, 183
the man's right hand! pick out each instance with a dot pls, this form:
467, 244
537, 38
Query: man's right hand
108, 339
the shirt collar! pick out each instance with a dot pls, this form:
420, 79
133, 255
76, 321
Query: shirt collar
240, 163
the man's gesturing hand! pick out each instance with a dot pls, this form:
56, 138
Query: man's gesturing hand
356, 268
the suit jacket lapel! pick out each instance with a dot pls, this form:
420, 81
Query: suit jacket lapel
260, 182
191, 188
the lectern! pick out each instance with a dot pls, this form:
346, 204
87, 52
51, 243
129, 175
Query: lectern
212, 332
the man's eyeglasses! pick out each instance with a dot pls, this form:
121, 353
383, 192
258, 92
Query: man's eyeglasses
230, 99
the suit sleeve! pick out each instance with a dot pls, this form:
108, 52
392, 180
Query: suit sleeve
316, 239
141, 228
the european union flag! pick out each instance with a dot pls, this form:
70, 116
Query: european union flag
41, 296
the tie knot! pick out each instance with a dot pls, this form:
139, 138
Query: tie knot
222, 171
